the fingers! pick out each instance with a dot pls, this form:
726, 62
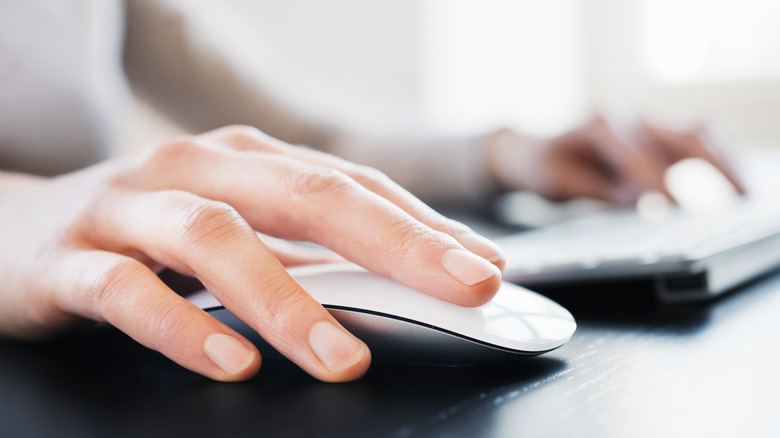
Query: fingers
581, 176
210, 240
698, 143
250, 139
125, 293
286, 198
628, 150
194, 205
641, 152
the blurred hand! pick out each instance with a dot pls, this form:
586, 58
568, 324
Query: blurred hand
85, 246
613, 160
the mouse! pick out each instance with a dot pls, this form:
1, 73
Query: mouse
402, 325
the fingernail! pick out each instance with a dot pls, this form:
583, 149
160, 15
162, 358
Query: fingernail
466, 267
336, 349
228, 353
481, 247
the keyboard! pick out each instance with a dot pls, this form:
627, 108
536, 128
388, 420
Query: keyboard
689, 257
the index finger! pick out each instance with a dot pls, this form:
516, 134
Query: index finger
705, 143
250, 139
622, 145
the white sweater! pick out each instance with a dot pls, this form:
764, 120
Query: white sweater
65, 69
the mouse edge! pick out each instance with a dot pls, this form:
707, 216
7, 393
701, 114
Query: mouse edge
409, 335
351, 319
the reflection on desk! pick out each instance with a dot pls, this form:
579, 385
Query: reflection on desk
634, 368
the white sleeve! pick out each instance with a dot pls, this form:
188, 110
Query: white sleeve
184, 75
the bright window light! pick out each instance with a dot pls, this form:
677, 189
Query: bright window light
711, 39
491, 62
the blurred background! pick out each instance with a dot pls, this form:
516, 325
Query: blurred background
461, 66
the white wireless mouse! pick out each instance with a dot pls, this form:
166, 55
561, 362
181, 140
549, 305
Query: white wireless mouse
403, 325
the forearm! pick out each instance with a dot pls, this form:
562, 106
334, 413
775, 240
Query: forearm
202, 83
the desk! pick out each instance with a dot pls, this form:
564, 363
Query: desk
632, 369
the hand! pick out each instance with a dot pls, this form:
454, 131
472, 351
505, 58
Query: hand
85, 246
604, 159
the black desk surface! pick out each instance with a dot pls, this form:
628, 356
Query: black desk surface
633, 368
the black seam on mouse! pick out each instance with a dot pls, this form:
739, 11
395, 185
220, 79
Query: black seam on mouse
449, 332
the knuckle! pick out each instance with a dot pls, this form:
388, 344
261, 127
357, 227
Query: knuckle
206, 222
169, 321
245, 131
109, 286
370, 176
285, 309
244, 137
167, 160
412, 240
317, 181
171, 151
